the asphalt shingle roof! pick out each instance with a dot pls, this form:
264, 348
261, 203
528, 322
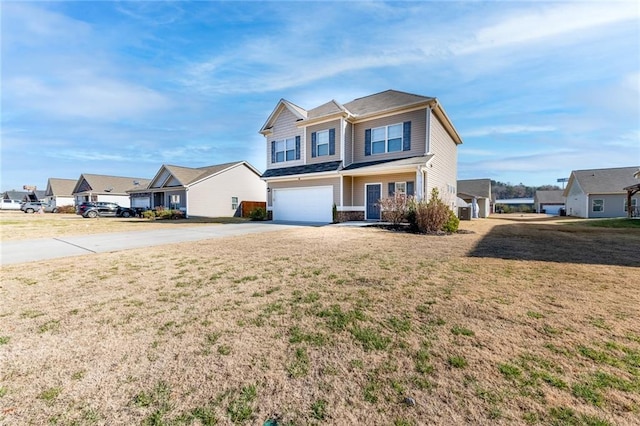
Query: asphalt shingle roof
383, 101
603, 181
104, 184
60, 187
475, 187
550, 197
330, 166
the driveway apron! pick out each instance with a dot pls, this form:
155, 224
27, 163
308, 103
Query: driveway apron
52, 248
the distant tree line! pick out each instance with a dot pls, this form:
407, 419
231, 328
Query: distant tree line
501, 190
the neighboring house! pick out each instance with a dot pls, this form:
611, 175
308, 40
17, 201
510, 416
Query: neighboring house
60, 192
600, 193
106, 188
213, 191
549, 202
350, 156
35, 195
477, 194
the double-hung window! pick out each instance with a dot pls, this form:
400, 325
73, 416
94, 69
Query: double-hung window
322, 143
598, 206
386, 139
285, 150
634, 204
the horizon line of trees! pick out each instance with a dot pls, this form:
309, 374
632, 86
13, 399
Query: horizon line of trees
501, 190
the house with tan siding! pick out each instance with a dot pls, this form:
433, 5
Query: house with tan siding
349, 156
105, 188
212, 191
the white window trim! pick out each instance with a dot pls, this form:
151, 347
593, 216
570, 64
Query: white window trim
396, 191
318, 143
634, 204
284, 152
386, 138
593, 205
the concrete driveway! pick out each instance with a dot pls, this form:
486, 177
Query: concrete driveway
52, 248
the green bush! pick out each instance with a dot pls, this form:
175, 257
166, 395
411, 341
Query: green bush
452, 223
259, 213
149, 214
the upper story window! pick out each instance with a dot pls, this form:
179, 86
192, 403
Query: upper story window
392, 138
285, 150
323, 143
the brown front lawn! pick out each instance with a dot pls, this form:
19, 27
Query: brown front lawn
515, 323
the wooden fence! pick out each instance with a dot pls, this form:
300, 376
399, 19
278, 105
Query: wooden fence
247, 206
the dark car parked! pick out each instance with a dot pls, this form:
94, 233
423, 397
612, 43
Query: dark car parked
104, 209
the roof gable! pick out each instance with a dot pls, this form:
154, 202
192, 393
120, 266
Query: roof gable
603, 181
103, 184
172, 176
299, 112
330, 108
551, 196
60, 187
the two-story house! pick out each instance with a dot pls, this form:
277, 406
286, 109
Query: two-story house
350, 156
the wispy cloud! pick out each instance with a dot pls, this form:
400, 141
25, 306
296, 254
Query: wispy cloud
507, 130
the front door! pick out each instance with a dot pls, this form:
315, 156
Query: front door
158, 199
373, 191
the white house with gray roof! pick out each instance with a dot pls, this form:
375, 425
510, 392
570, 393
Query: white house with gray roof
600, 193
354, 154
59, 192
211, 191
549, 202
476, 193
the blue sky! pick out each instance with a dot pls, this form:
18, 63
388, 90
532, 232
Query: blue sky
535, 89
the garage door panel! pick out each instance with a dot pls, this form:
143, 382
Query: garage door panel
311, 204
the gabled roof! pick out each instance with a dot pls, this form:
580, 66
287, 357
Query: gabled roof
330, 166
475, 187
187, 176
550, 197
364, 108
60, 187
297, 111
20, 195
602, 181
103, 184
330, 108
385, 101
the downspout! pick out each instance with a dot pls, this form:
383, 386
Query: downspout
186, 202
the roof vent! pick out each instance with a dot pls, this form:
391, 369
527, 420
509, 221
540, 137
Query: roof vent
108, 189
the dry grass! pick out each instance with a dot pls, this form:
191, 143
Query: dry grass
331, 325
16, 225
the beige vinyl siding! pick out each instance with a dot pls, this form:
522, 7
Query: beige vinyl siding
359, 183
418, 136
347, 191
307, 183
211, 197
348, 144
335, 124
442, 171
284, 128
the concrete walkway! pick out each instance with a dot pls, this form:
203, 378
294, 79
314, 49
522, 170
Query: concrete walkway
13, 252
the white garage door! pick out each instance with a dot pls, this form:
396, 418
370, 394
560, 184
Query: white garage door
552, 209
303, 204
141, 202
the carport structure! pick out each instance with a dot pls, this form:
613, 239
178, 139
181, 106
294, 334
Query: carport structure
631, 191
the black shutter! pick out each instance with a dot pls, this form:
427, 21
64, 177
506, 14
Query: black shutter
314, 146
273, 151
406, 136
392, 188
297, 147
367, 142
410, 189
332, 141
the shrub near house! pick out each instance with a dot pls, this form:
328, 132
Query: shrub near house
426, 217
